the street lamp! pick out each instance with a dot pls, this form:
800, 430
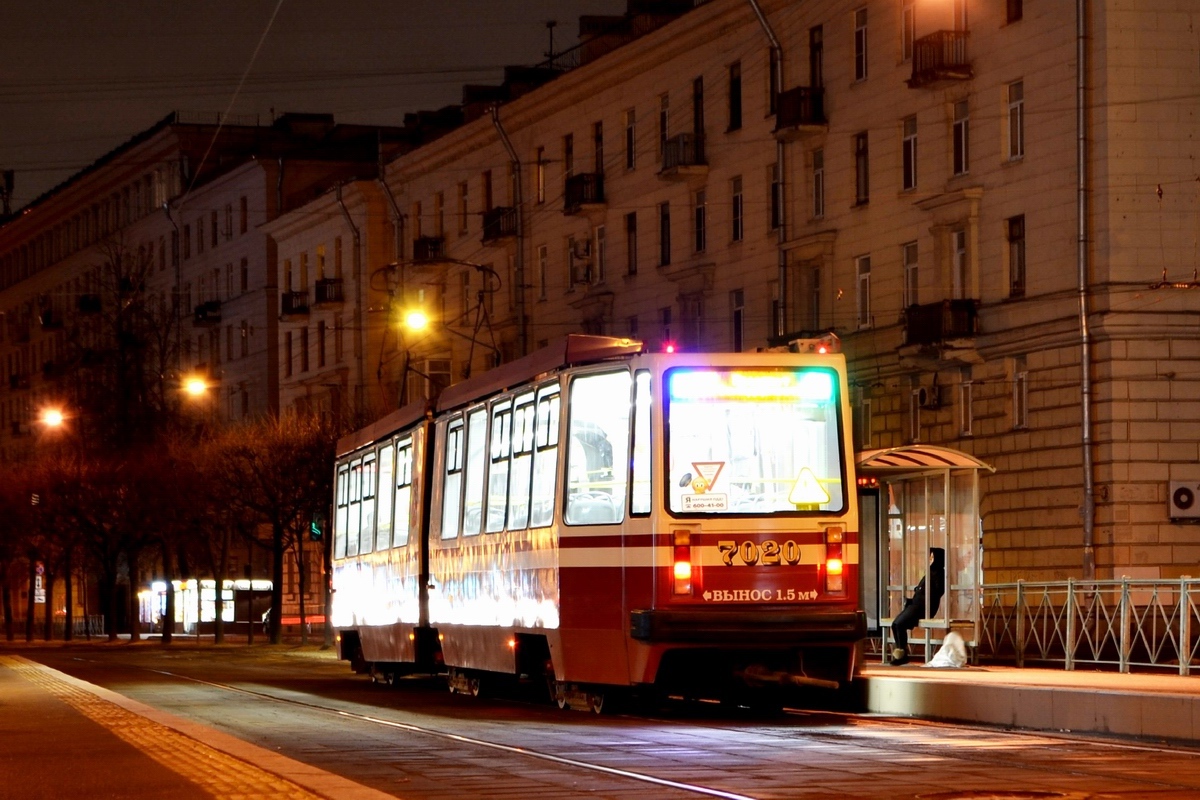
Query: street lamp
52, 417
195, 386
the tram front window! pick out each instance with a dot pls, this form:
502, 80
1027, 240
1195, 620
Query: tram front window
745, 442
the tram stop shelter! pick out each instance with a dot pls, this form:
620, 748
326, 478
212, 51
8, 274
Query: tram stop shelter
913, 498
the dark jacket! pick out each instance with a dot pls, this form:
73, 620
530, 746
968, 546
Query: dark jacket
936, 578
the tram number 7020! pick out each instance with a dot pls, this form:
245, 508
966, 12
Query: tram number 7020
770, 553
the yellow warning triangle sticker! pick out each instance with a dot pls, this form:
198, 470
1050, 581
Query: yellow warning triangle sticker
708, 470
808, 490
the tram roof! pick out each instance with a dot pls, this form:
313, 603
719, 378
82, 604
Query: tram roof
913, 457
574, 348
392, 422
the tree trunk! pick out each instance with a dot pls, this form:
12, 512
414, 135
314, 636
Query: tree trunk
135, 622
300, 583
250, 611
277, 556
168, 618
48, 610
327, 583
6, 590
29, 604
220, 567
69, 589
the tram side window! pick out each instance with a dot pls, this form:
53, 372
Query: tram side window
545, 459
404, 462
355, 508
476, 462
598, 455
522, 462
383, 516
339, 521
500, 445
642, 457
367, 531
452, 480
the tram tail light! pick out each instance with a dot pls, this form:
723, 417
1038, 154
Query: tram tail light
682, 563
835, 582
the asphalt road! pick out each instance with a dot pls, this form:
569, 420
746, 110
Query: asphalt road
416, 740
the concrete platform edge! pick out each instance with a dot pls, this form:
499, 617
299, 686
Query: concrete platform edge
312, 778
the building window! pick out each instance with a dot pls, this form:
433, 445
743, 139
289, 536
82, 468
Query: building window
737, 302
664, 121
1016, 120
630, 139
862, 181
700, 221
775, 201
337, 257
245, 339
213, 234
568, 145
338, 338
244, 214
304, 349
914, 414
860, 44
321, 340
543, 267
598, 257
908, 29
862, 269
244, 281
439, 215
463, 208
814, 298
736, 209
1020, 399
960, 15
598, 146
908, 151
908, 258
958, 263
1016, 255
966, 403
631, 243
486, 180
816, 57
228, 220
321, 262
735, 96
539, 175
287, 354
818, 184
960, 137
1014, 9
772, 81
664, 234
200, 235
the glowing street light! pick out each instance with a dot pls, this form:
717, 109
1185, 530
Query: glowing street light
52, 417
195, 386
415, 320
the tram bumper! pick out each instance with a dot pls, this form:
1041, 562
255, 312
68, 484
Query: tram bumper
764, 626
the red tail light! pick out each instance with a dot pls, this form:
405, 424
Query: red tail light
835, 582
682, 563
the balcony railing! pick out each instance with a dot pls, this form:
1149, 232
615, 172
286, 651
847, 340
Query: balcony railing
328, 291
499, 223
683, 150
940, 56
584, 189
936, 322
800, 107
294, 303
208, 313
429, 248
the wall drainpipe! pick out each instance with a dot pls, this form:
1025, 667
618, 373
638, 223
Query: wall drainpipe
1088, 510
519, 261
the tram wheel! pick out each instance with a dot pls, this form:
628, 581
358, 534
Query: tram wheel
473, 685
596, 702
558, 694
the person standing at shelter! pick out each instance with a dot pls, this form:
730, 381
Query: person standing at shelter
933, 586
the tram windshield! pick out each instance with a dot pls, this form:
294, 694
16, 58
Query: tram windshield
746, 442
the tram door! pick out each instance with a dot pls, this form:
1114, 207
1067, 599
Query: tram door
869, 556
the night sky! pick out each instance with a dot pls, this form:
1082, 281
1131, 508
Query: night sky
79, 77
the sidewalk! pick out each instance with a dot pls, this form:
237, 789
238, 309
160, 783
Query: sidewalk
1152, 707
64, 737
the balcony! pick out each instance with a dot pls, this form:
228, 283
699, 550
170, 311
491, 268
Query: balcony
499, 223
328, 292
293, 303
50, 319
208, 313
429, 248
89, 304
683, 157
800, 111
940, 57
583, 192
937, 323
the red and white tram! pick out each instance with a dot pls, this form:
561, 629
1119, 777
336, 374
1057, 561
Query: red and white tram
603, 517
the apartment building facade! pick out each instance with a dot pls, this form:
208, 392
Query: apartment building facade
905, 174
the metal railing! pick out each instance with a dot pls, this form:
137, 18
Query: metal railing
1117, 623
91, 625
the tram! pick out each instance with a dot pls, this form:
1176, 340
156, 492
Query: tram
608, 519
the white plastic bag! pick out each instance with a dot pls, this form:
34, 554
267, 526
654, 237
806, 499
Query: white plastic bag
953, 652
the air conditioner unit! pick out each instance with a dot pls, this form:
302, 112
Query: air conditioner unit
929, 397
1183, 500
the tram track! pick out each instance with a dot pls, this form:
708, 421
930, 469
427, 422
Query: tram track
524, 752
